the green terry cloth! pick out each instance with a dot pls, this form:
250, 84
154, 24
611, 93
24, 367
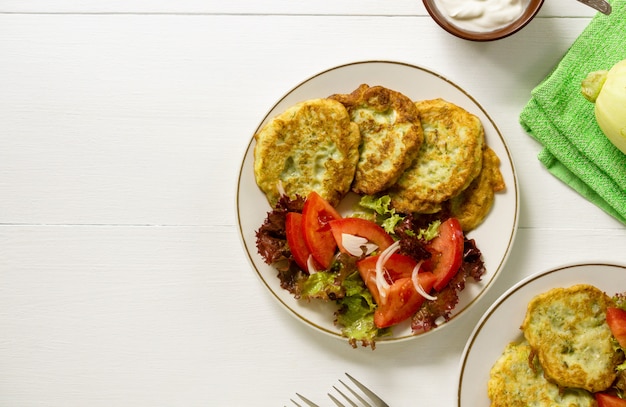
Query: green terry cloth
563, 121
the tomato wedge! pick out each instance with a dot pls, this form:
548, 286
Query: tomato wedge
398, 266
316, 214
402, 300
295, 240
616, 319
607, 400
360, 227
447, 251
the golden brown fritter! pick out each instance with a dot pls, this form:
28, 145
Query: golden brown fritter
473, 204
517, 380
448, 161
567, 329
391, 135
313, 145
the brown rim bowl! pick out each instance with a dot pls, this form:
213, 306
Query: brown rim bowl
531, 10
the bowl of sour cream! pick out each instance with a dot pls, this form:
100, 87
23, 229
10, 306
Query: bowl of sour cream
482, 20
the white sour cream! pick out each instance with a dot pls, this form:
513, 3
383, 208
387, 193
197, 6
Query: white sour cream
481, 15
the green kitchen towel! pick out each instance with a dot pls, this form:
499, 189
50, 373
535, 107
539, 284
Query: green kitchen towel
563, 121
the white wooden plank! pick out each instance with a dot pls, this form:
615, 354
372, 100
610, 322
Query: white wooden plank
104, 124
115, 316
569, 8
162, 316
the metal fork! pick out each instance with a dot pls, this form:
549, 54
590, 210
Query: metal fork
378, 402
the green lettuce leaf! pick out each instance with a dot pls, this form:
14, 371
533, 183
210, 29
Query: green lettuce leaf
356, 312
379, 209
321, 285
431, 232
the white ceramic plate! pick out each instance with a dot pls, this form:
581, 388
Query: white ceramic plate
494, 237
500, 324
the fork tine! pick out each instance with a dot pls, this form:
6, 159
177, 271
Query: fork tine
367, 391
293, 401
337, 402
307, 401
355, 394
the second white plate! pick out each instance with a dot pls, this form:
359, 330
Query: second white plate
500, 324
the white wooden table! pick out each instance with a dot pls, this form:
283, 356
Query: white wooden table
123, 280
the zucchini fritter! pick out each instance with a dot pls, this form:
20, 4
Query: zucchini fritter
567, 329
517, 380
473, 204
448, 161
313, 145
391, 135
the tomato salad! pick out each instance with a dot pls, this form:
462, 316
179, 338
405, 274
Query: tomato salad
380, 267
